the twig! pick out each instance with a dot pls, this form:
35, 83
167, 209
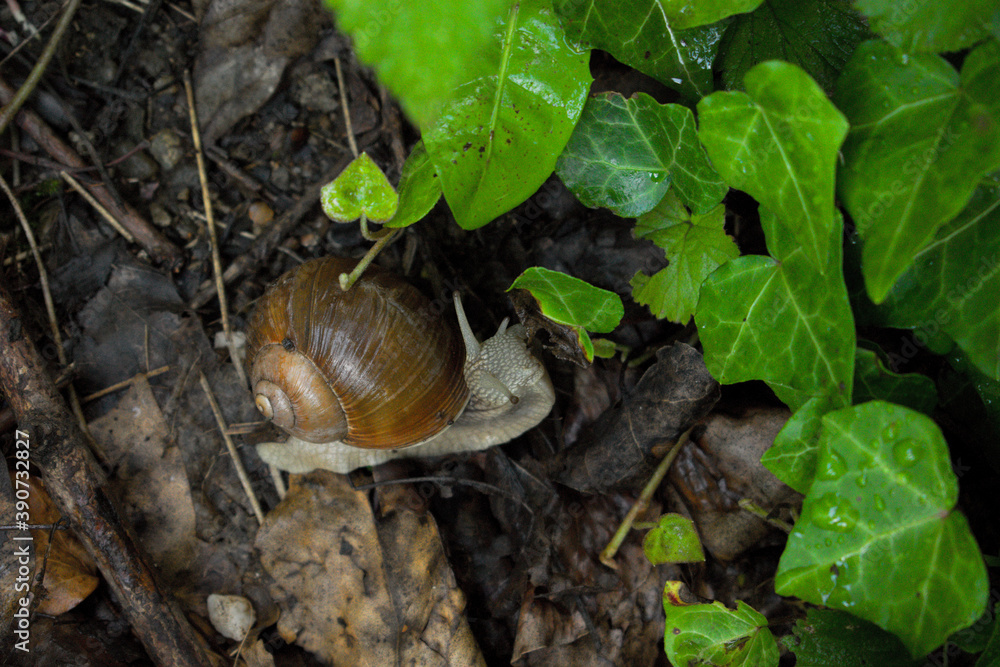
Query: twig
110, 219
608, 555
213, 239
124, 383
158, 247
347, 109
240, 470
24, 92
761, 513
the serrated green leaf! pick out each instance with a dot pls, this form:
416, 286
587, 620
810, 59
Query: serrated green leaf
793, 455
872, 380
778, 142
953, 284
829, 638
673, 540
420, 52
781, 321
879, 535
571, 301
695, 245
625, 153
991, 654
361, 189
497, 141
817, 35
711, 634
920, 140
931, 25
637, 34
419, 188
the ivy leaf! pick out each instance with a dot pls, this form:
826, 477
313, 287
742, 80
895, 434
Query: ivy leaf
495, 144
872, 380
568, 300
420, 52
639, 35
361, 189
778, 142
931, 25
419, 188
780, 320
829, 638
879, 535
673, 540
625, 153
793, 455
817, 35
921, 138
953, 284
711, 634
695, 245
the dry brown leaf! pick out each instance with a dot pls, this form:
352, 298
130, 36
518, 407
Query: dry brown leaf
354, 592
149, 476
721, 467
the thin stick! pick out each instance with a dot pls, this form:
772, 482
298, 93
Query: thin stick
240, 470
97, 206
123, 384
206, 198
608, 555
8, 112
348, 279
50, 308
347, 109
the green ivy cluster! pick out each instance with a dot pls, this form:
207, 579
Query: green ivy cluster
825, 110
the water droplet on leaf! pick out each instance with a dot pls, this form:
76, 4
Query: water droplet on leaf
831, 512
907, 453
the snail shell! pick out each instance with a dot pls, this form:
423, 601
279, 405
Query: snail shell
372, 367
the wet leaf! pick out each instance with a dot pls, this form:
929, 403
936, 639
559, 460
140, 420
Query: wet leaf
497, 141
639, 35
879, 535
829, 638
953, 283
792, 457
626, 153
695, 245
931, 25
778, 142
921, 138
711, 634
421, 52
419, 188
673, 540
361, 189
817, 35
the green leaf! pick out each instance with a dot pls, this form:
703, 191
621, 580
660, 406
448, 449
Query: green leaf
879, 535
419, 188
781, 321
829, 638
673, 540
991, 654
817, 35
931, 25
497, 141
953, 283
361, 189
638, 34
571, 301
625, 153
921, 138
421, 52
711, 634
695, 245
793, 455
778, 142
872, 380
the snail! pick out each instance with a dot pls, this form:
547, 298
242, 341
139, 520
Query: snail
372, 374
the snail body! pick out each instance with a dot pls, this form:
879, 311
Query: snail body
373, 373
